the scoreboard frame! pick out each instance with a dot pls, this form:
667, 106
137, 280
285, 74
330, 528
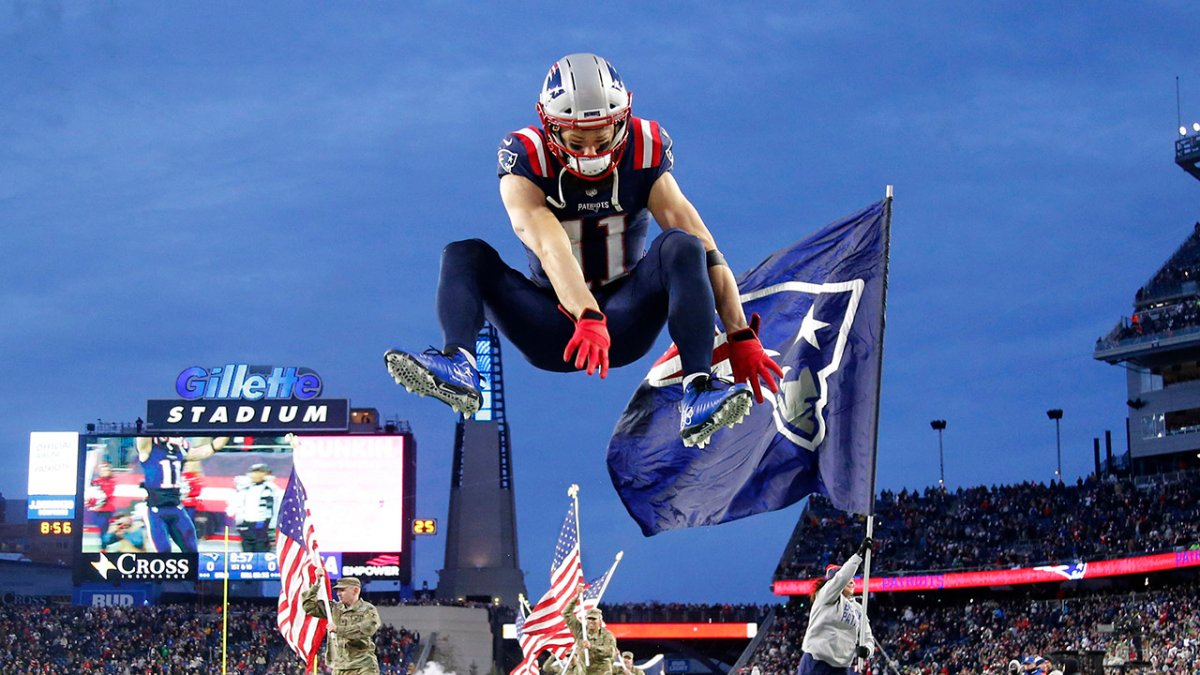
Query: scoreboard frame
115, 566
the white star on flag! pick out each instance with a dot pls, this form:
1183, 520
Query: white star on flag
808, 329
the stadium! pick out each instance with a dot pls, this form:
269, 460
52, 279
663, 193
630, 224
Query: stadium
221, 524
1097, 576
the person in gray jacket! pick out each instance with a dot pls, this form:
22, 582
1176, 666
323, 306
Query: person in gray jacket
831, 641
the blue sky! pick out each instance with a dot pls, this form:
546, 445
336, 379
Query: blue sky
199, 183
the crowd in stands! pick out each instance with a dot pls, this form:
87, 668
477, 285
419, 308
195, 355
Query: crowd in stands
1161, 321
1160, 629
658, 612
1009, 526
1177, 278
162, 640
1182, 267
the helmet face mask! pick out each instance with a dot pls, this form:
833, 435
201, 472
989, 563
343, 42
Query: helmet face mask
584, 92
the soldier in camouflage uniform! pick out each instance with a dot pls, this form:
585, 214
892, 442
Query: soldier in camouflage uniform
574, 665
626, 667
351, 628
595, 639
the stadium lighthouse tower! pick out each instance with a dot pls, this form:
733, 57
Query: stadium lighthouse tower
1159, 345
481, 560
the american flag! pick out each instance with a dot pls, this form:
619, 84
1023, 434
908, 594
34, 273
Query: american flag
596, 587
545, 629
528, 665
294, 538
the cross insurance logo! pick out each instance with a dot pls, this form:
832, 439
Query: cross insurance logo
132, 566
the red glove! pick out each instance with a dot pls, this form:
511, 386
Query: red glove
590, 342
750, 362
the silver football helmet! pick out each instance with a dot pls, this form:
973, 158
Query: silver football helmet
584, 91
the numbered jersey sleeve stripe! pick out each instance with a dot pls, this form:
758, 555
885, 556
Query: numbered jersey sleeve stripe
535, 149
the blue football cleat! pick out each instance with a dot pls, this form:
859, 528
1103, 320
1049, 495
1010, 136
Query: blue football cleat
710, 404
451, 379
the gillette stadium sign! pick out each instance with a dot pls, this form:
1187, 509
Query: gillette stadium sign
244, 397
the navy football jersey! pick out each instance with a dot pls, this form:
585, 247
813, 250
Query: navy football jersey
606, 220
163, 471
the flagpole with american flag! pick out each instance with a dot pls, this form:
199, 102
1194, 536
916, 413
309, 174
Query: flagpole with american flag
592, 594
544, 628
596, 587
299, 568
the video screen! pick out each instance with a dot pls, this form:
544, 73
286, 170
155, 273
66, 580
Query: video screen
52, 478
160, 495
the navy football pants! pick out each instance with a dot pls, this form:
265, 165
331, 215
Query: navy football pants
670, 285
171, 523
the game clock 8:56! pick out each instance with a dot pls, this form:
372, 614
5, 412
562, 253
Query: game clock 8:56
55, 527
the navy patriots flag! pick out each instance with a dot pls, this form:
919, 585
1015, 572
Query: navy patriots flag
821, 302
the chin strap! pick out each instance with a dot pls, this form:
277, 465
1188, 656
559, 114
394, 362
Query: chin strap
616, 189
561, 202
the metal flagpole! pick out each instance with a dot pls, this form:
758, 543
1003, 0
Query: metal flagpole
609, 575
314, 557
574, 493
316, 560
225, 608
887, 249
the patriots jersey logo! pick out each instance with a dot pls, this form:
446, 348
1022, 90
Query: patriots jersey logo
1069, 572
507, 160
809, 350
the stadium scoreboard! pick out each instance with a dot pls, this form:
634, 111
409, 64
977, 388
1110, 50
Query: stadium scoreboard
129, 502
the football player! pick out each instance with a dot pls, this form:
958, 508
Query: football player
162, 459
98, 498
580, 190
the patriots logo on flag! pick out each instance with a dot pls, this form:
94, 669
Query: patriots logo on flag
809, 356
821, 303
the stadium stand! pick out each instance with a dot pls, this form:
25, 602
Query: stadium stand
1169, 303
676, 612
1004, 526
166, 639
1000, 527
1156, 630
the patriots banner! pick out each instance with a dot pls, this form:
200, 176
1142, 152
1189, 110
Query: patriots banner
821, 302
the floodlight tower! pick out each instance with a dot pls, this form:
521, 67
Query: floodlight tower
1187, 149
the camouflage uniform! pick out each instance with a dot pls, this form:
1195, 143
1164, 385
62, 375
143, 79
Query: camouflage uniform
603, 647
574, 666
619, 666
351, 648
